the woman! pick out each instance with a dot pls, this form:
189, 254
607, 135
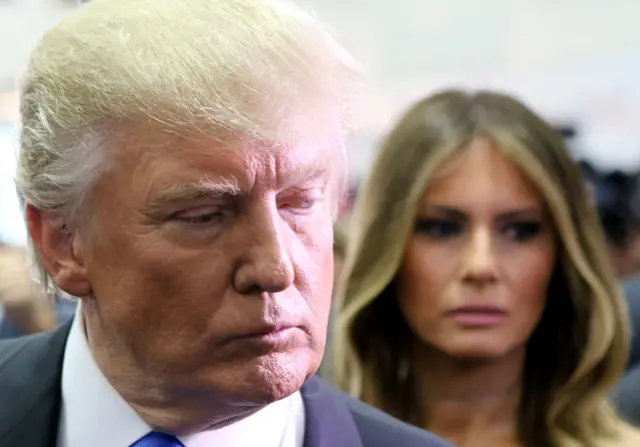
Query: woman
478, 301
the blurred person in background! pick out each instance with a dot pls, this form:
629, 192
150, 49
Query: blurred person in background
627, 394
616, 196
26, 309
181, 165
478, 300
591, 177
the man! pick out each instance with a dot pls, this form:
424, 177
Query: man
631, 291
23, 309
619, 213
181, 162
626, 395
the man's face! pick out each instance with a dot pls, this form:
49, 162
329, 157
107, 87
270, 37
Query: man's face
212, 267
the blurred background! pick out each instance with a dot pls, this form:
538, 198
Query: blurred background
577, 62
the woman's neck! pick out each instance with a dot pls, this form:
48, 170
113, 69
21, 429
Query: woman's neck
470, 402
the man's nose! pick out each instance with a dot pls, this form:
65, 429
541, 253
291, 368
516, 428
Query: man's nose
479, 258
267, 265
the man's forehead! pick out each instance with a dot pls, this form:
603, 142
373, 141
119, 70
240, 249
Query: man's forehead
150, 141
295, 159
243, 163
298, 150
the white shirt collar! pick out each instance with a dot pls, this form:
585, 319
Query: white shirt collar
93, 413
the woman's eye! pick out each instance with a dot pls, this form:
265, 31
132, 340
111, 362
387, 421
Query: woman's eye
438, 228
523, 231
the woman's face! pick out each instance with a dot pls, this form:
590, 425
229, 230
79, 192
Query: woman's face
473, 281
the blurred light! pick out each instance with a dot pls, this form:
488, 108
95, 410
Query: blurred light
12, 228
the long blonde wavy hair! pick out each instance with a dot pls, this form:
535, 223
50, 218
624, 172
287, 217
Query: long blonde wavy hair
579, 348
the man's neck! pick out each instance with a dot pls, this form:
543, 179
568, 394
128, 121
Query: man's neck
471, 402
179, 412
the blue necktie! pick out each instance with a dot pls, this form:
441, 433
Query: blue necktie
157, 439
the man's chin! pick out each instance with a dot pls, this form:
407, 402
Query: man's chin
268, 379
268, 391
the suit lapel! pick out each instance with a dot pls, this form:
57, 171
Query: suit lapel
30, 404
328, 422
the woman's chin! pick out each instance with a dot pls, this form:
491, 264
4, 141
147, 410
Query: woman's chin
480, 353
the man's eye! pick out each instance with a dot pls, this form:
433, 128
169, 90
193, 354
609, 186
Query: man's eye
300, 205
205, 219
307, 203
202, 218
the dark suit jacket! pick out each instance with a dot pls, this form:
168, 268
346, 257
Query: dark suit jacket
626, 397
30, 396
631, 289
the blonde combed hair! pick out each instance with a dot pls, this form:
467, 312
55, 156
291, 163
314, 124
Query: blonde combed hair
228, 69
579, 349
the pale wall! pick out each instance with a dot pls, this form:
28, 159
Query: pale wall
570, 59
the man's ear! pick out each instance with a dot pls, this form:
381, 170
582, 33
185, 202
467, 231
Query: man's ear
60, 249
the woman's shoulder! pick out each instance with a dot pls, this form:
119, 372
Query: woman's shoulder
629, 436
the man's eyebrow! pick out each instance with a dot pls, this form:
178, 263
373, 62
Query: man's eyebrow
192, 191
